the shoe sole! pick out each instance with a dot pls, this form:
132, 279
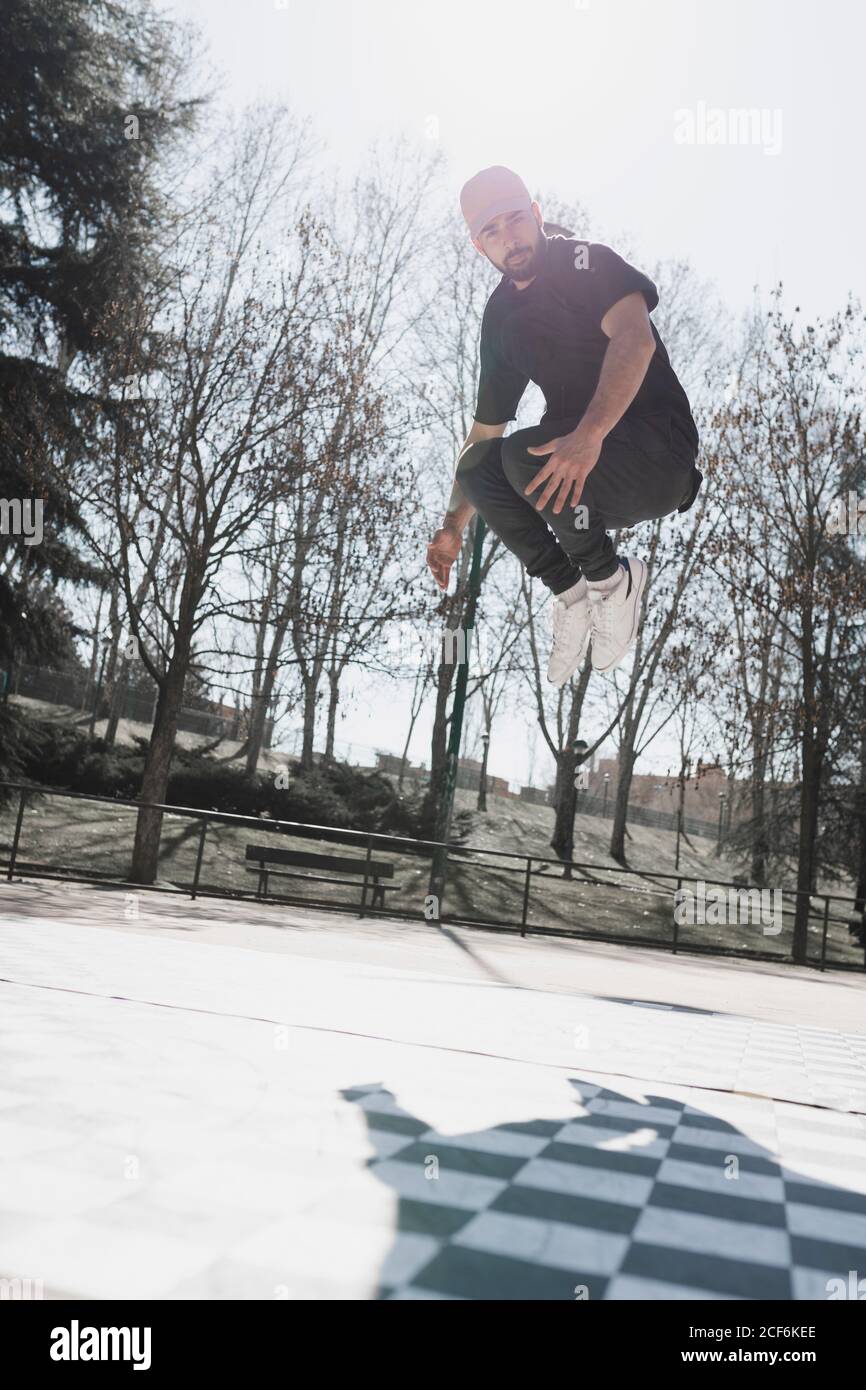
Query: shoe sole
639, 586
557, 685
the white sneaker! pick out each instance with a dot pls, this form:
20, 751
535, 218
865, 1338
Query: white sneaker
615, 616
570, 624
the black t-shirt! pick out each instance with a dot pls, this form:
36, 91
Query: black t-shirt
550, 333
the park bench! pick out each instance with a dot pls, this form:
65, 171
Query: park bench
266, 855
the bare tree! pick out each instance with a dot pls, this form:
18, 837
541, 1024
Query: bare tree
794, 447
673, 559
498, 656
348, 522
210, 411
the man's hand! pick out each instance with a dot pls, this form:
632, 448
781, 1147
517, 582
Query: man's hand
443, 551
572, 458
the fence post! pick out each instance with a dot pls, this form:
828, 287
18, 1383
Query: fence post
198, 859
366, 876
525, 897
824, 933
16, 837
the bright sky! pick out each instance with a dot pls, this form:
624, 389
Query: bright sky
617, 104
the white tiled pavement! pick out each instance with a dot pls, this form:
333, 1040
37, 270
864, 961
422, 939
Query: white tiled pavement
185, 1119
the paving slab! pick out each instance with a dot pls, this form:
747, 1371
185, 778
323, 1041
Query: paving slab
198, 1103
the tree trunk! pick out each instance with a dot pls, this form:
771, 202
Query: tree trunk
856, 922
259, 705
482, 780
90, 683
434, 813
114, 645
415, 706
145, 854
810, 790
685, 767
562, 840
760, 840
405, 758
118, 701
333, 702
620, 807
309, 734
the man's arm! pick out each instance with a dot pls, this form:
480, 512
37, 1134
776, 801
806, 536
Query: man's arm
459, 510
445, 545
629, 353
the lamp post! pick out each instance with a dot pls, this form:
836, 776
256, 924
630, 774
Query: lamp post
606, 785
482, 784
722, 799
684, 772
580, 747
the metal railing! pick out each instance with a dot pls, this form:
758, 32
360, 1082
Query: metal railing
535, 869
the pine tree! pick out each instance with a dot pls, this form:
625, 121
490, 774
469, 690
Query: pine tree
90, 108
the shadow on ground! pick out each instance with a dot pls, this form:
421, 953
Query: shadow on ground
592, 1205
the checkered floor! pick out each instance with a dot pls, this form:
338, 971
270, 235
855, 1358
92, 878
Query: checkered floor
635, 1199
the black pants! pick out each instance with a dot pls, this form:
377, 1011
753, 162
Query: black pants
646, 470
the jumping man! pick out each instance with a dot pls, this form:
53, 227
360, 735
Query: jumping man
616, 443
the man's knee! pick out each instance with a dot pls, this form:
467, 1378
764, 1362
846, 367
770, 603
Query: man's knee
475, 465
517, 465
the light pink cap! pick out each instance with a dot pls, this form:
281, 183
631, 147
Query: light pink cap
490, 193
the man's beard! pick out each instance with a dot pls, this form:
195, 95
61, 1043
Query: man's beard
524, 267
